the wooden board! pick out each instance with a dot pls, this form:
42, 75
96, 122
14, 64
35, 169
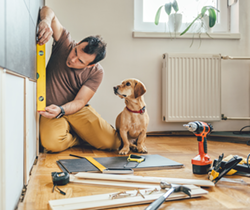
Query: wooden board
141, 179
113, 183
104, 201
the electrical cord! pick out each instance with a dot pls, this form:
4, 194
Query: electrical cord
245, 132
241, 132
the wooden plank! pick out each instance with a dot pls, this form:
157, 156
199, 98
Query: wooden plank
114, 183
156, 180
104, 201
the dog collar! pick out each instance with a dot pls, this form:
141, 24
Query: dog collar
141, 111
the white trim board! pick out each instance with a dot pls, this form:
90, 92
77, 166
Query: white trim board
113, 183
2, 140
223, 36
104, 201
26, 132
37, 133
155, 180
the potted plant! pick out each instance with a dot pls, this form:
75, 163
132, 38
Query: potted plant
175, 19
207, 17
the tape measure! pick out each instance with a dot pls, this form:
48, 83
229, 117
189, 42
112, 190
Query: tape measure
134, 158
59, 178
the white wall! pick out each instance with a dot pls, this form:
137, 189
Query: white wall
141, 58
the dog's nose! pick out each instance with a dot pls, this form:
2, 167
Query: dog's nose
115, 89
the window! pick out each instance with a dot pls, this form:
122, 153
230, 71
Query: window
145, 10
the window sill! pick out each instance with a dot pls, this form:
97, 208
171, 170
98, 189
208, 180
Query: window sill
138, 34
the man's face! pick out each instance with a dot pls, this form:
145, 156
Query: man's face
78, 59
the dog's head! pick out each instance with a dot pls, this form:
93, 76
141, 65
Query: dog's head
130, 88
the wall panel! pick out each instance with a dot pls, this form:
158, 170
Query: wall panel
17, 37
18, 21
2, 33
32, 49
14, 138
34, 9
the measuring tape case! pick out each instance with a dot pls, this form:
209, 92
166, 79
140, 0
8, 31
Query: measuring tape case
60, 178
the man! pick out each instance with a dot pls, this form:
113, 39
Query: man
73, 76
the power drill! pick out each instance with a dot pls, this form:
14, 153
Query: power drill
202, 162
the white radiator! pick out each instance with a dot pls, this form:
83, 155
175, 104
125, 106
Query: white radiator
191, 87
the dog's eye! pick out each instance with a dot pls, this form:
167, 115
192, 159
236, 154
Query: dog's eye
127, 84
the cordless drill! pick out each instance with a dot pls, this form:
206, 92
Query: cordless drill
201, 162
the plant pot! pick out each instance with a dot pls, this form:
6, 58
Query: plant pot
205, 23
174, 22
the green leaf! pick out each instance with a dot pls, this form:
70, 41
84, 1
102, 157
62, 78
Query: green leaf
168, 7
157, 16
211, 7
175, 6
203, 11
205, 8
199, 16
212, 17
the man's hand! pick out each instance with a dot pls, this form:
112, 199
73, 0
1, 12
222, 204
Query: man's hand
45, 32
51, 111
49, 26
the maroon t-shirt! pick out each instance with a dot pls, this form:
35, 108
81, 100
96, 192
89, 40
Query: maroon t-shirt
62, 82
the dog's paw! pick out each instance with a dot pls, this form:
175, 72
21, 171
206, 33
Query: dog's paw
142, 149
124, 151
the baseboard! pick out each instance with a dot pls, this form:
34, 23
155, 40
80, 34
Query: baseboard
224, 136
170, 133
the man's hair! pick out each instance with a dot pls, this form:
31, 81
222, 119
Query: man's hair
97, 46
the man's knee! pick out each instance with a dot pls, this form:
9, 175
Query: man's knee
52, 143
110, 142
54, 134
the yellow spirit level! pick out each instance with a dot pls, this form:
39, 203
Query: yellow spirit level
41, 78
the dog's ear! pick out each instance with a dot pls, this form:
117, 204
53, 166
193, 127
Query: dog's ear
139, 89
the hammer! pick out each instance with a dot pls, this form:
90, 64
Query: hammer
173, 188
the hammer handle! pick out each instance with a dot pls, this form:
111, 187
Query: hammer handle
157, 203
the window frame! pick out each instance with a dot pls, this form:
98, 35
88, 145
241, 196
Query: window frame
222, 25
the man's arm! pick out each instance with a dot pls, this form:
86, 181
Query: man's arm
81, 99
48, 26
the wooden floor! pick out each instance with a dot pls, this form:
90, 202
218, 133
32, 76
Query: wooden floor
180, 149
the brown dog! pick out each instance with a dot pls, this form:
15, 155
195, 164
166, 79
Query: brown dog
133, 121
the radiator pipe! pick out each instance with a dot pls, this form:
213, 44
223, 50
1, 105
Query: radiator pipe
227, 57
234, 118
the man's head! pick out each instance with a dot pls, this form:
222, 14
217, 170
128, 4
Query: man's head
87, 52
